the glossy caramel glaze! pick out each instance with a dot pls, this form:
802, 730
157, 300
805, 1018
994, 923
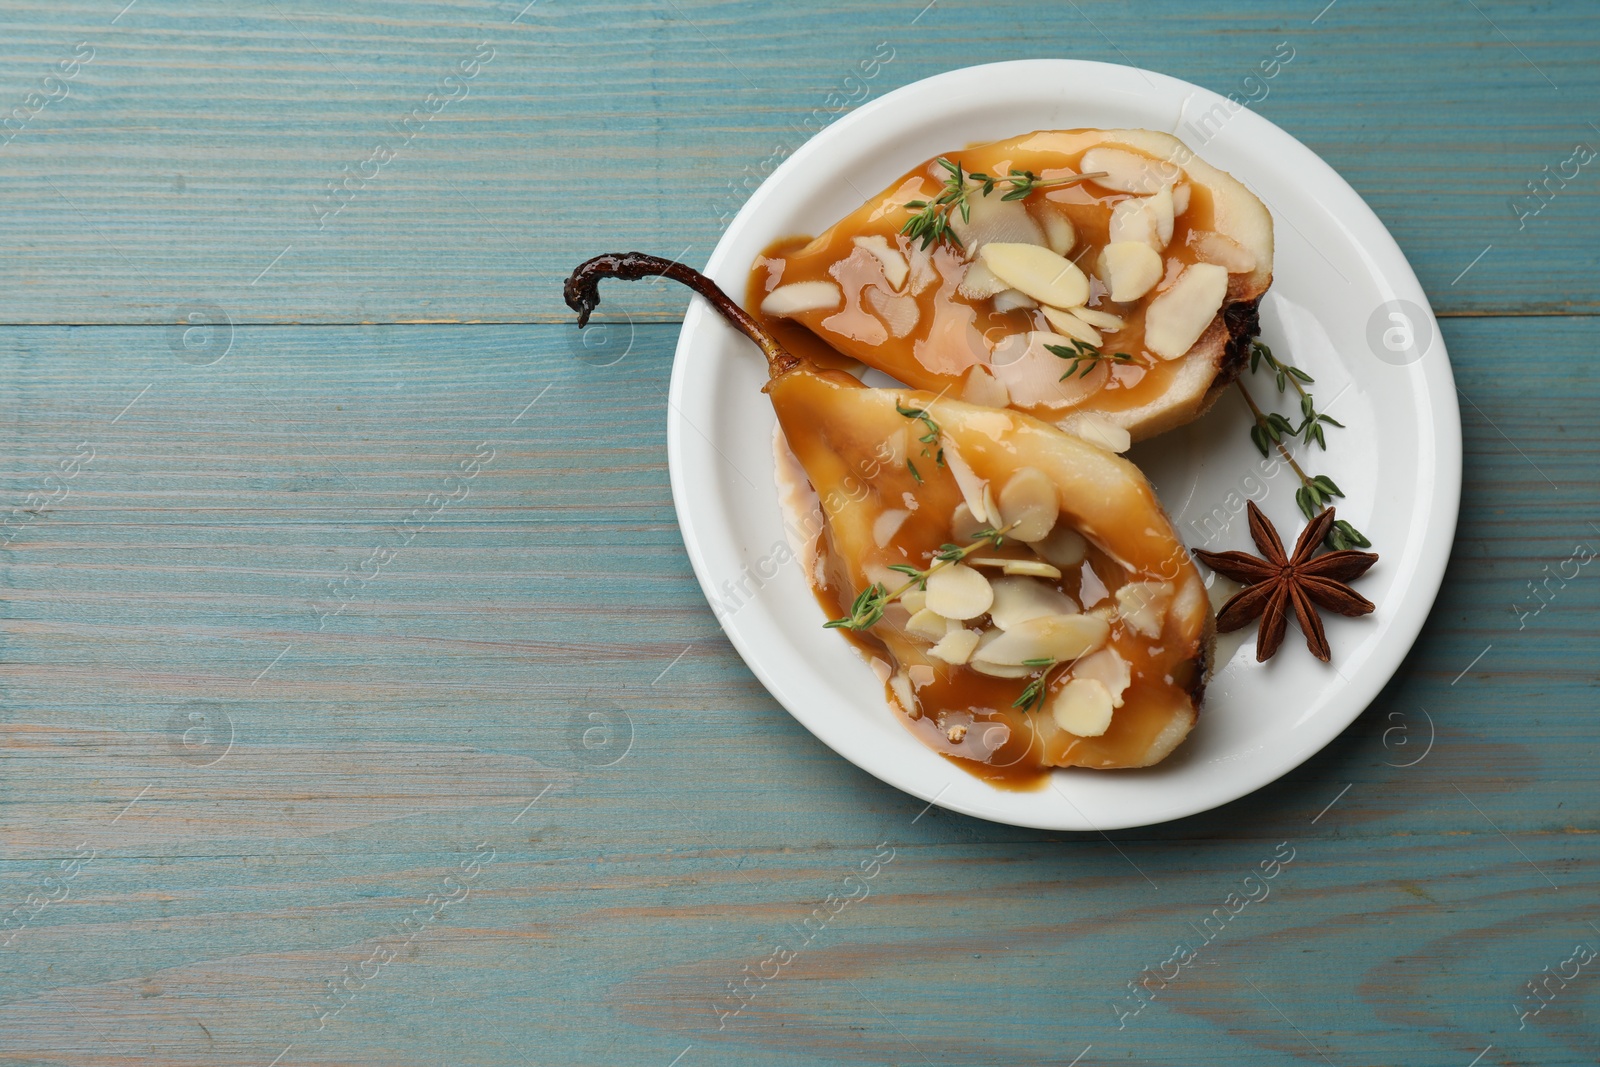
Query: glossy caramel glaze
854, 446
954, 332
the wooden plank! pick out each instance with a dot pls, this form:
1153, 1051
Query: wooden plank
186, 163
971, 947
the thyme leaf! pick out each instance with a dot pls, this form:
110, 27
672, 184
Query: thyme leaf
930, 219
1032, 695
930, 435
868, 607
1084, 354
1271, 428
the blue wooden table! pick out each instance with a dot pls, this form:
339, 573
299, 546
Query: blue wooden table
360, 706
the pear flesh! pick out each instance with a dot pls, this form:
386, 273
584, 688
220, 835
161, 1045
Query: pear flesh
1108, 263
969, 666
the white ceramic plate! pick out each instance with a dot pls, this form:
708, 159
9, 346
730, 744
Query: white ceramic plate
1338, 277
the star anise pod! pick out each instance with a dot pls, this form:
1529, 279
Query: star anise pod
1276, 581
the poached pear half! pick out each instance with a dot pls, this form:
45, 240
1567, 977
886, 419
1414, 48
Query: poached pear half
1115, 295
1020, 592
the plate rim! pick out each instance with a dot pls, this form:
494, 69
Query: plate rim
1425, 580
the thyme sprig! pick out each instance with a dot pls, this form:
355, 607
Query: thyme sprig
1311, 420
865, 610
1084, 354
868, 607
929, 438
1270, 428
1032, 695
930, 221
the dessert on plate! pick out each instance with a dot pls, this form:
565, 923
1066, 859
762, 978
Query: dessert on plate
1019, 591
1105, 281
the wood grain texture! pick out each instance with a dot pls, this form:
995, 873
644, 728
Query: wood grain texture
187, 160
542, 637
356, 674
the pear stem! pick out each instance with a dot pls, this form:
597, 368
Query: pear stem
582, 294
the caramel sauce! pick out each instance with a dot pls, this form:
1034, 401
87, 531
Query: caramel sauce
966, 697
831, 423
953, 332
